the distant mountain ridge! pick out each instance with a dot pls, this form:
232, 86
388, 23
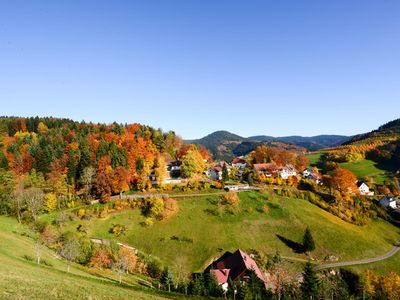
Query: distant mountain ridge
225, 145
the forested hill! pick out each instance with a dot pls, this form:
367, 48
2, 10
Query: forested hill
389, 130
61, 150
225, 145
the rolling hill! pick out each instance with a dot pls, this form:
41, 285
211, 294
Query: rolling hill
226, 145
390, 130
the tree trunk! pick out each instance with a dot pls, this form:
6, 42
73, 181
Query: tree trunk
120, 279
68, 267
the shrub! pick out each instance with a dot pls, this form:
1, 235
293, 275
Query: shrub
117, 229
231, 201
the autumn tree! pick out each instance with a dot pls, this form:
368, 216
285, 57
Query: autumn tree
124, 262
103, 186
120, 180
192, 164
101, 258
50, 202
160, 170
344, 181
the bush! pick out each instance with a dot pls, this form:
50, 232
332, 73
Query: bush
147, 222
154, 269
231, 202
117, 229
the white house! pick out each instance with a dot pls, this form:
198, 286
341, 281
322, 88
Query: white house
388, 201
363, 188
307, 172
287, 172
214, 173
239, 163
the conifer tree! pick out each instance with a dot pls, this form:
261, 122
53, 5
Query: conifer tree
310, 285
308, 240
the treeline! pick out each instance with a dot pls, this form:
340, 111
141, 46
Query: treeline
73, 161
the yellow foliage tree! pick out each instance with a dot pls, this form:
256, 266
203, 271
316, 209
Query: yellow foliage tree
50, 202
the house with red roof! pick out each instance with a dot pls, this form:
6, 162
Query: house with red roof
234, 266
268, 170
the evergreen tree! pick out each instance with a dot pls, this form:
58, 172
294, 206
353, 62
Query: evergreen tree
308, 240
197, 286
225, 174
213, 287
310, 285
166, 279
255, 285
244, 293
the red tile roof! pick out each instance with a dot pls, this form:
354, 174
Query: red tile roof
238, 263
222, 275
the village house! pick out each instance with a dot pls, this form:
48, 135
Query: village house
268, 170
310, 174
215, 172
363, 188
287, 171
239, 163
389, 201
174, 168
234, 266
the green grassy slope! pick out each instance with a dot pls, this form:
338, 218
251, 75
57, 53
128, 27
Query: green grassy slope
23, 279
368, 168
251, 229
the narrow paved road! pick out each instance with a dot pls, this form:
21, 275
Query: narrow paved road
360, 262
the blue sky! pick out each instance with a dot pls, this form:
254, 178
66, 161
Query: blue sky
250, 67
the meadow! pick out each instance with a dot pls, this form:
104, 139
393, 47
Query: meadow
22, 278
190, 239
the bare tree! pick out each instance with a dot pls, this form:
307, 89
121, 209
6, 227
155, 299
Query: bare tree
34, 200
87, 179
18, 200
69, 250
38, 250
120, 267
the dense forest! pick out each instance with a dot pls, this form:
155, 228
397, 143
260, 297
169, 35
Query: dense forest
67, 158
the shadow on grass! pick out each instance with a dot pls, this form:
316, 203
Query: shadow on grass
295, 246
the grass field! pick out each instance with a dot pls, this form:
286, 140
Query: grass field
368, 168
360, 168
313, 158
194, 236
23, 279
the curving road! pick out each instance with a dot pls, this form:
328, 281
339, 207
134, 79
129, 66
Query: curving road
360, 262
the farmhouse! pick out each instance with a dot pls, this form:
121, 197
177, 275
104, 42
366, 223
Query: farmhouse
239, 163
215, 172
363, 188
389, 201
310, 174
268, 170
235, 266
287, 172
174, 168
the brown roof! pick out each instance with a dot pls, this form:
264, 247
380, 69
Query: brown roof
265, 167
239, 160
